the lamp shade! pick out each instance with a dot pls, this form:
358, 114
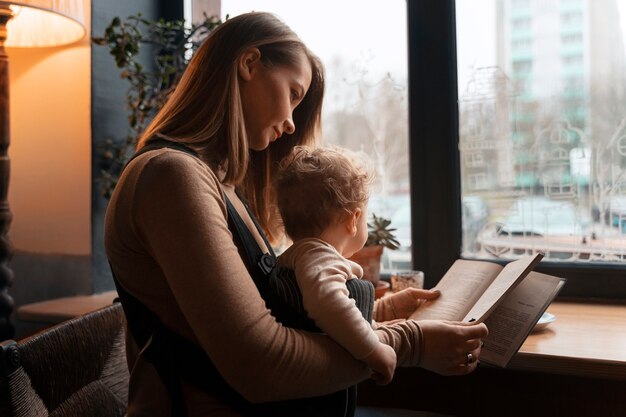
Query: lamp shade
42, 23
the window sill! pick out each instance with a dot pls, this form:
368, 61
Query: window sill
585, 340
61, 309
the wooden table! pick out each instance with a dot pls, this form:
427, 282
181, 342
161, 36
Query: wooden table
575, 367
585, 340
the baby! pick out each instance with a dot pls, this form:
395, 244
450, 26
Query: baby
322, 198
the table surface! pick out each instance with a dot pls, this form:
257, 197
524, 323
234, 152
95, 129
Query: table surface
585, 340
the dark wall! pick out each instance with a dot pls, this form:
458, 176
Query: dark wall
108, 114
496, 392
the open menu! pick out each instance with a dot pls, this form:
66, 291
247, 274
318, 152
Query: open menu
508, 299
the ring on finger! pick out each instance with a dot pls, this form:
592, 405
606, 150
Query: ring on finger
469, 359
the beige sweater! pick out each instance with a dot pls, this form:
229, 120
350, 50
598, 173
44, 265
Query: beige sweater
321, 273
167, 238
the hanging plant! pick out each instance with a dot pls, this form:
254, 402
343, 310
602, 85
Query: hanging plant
171, 44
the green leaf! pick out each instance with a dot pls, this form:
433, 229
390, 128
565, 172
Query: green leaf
171, 43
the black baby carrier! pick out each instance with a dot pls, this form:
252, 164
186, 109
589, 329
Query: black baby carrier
177, 359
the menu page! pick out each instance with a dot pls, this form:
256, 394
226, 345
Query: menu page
514, 318
460, 288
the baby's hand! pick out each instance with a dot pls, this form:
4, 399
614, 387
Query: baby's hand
382, 360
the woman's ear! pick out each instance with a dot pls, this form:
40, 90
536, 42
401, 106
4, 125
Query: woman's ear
248, 63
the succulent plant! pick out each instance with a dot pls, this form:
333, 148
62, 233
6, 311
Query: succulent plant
380, 234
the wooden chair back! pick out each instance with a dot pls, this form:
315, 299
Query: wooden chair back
77, 368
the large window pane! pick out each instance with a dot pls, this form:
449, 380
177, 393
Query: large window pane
542, 128
363, 45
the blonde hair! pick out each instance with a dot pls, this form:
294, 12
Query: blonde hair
205, 113
319, 186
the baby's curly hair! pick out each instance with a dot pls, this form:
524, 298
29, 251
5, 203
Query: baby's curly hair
318, 186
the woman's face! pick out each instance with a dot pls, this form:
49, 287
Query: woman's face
269, 97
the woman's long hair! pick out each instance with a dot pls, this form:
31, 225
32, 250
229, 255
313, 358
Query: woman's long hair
205, 112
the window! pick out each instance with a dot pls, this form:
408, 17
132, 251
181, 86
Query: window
573, 60
474, 159
522, 66
522, 44
575, 82
562, 167
572, 39
362, 44
521, 4
572, 18
522, 23
477, 182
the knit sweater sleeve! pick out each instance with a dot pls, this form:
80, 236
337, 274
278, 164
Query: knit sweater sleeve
321, 273
406, 338
179, 217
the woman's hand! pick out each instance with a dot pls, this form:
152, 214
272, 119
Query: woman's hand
402, 304
447, 346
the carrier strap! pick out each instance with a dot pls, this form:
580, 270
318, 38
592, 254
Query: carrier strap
176, 358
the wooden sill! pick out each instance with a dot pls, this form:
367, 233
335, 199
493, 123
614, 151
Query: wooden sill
585, 340
66, 308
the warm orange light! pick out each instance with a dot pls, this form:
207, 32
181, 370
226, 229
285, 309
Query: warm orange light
42, 23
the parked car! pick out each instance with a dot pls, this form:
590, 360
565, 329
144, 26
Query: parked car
536, 224
614, 212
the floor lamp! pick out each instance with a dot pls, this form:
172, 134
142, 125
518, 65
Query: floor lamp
27, 23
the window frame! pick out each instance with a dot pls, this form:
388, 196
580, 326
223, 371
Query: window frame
435, 161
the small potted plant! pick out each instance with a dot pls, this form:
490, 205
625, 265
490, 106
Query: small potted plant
380, 236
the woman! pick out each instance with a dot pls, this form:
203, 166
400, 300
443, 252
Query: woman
251, 92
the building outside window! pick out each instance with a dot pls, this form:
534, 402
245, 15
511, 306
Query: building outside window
551, 138
562, 127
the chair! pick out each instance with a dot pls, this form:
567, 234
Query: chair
77, 368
